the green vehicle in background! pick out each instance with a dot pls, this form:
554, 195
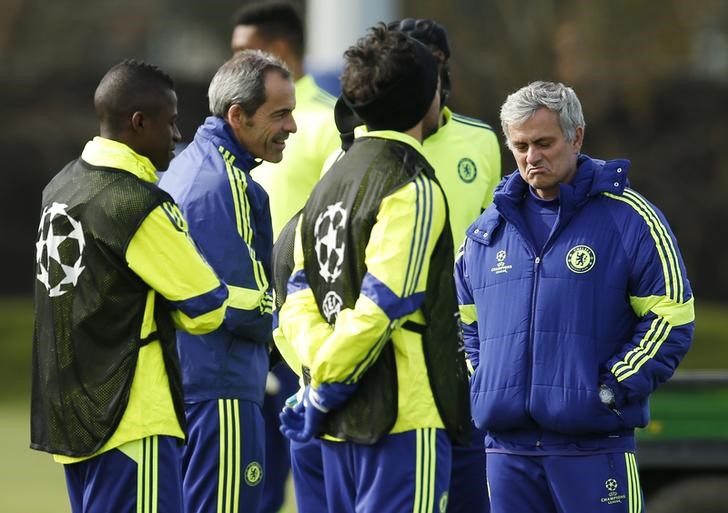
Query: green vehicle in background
683, 452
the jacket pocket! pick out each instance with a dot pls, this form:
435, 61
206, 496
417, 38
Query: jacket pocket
577, 411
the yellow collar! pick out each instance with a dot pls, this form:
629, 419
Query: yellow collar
397, 136
109, 153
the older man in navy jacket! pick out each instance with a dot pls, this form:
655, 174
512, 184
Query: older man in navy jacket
575, 306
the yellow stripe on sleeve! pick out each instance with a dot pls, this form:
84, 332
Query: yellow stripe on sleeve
674, 286
676, 314
160, 253
648, 347
238, 185
669, 314
672, 309
204, 323
245, 299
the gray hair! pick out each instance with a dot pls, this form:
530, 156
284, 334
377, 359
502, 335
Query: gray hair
521, 105
241, 80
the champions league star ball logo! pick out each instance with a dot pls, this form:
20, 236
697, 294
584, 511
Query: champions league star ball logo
329, 232
613, 495
332, 306
59, 250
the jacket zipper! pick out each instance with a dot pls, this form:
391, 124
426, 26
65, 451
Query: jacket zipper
534, 291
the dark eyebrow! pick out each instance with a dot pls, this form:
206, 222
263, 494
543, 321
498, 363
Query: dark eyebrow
547, 138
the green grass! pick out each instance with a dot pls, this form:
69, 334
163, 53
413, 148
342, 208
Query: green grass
16, 338
710, 344
31, 481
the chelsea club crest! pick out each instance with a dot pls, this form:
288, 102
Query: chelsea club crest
581, 259
467, 170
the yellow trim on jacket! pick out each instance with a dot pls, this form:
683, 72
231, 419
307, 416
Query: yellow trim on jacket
159, 253
334, 353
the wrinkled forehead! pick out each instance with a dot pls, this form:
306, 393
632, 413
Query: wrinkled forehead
543, 126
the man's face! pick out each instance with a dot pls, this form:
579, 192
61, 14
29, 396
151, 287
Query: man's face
544, 157
247, 37
264, 133
160, 132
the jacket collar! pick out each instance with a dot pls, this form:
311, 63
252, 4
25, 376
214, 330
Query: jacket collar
218, 132
394, 135
104, 152
593, 177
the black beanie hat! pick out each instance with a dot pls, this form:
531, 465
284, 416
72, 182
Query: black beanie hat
425, 31
431, 33
401, 105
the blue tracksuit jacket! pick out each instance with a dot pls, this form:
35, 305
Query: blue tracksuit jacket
607, 300
229, 219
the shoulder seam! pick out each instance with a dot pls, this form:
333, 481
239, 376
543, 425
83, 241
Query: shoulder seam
471, 121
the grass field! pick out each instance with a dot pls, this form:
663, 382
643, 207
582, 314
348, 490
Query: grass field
33, 483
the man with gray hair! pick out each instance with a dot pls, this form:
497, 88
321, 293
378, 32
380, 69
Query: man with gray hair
575, 306
251, 102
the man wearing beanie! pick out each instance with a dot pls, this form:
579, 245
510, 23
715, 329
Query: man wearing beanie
371, 306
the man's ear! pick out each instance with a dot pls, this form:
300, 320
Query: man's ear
138, 119
235, 116
578, 139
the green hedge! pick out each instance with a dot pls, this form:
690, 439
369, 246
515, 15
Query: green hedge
709, 351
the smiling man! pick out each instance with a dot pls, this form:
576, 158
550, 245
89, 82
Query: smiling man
251, 101
574, 307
